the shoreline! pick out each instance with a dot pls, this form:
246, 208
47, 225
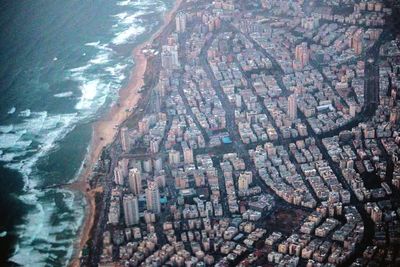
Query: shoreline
104, 132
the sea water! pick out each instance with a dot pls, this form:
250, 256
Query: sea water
62, 64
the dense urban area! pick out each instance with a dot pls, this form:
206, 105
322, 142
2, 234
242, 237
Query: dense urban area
267, 134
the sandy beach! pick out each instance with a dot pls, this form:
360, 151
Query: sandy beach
104, 131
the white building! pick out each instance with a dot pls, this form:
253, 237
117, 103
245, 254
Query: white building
180, 21
169, 57
118, 176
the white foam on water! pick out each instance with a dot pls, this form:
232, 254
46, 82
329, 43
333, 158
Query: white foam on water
94, 44
10, 156
116, 70
129, 26
33, 124
12, 110
25, 113
89, 91
128, 35
64, 94
129, 19
100, 59
43, 129
79, 69
124, 19
6, 128
99, 46
8, 140
41, 233
125, 3
22, 144
121, 16
142, 4
94, 88
161, 8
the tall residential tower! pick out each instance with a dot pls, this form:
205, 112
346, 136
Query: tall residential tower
153, 198
131, 210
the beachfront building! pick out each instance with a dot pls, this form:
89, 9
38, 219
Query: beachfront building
180, 21
118, 176
169, 57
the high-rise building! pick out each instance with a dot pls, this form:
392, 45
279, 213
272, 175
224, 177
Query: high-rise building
147, 165
158, 164
394, 115
131, 209
166, 60
356, 42
123, 165
135, 181
302, 54
118, 176
153, 198
125, 140
292, 107
114, 211
187, 154
371, 86
238, 101
353, 109
180, 21
160, 180
169, 57
393, 97
154, 146
174, 157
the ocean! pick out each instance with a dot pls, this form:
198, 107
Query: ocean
61, 66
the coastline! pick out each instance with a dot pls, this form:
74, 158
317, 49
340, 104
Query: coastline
104, 132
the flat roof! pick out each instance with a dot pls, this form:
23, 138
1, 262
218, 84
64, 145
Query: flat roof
226, 140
